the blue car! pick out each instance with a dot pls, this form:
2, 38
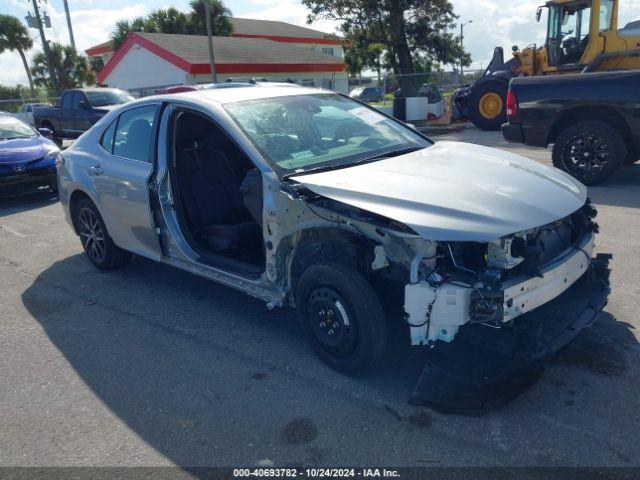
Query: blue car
27, 157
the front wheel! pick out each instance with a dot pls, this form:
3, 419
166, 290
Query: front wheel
95, 239
488, 105
341, 316
589, 151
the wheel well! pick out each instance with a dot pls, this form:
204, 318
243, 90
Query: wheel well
329, 244
74, 200
591, 114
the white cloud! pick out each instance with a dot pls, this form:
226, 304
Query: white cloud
90, 27
497, 23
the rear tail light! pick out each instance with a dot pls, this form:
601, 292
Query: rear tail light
512, 104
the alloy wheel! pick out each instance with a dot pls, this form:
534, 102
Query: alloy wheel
92, 235
586, 154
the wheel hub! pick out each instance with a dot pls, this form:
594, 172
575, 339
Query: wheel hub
586, 154
490, 105
330, 322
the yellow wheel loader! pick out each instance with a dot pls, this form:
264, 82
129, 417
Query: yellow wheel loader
582, 36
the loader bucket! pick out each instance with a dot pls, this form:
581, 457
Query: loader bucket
485, 367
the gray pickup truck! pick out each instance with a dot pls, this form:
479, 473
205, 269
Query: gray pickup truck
78, 110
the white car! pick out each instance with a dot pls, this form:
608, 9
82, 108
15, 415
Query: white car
306, 198
26, 111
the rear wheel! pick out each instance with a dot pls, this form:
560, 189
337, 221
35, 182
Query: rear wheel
589, 151
488, 105
341, 316
95, 239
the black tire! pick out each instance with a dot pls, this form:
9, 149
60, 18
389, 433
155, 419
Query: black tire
95, 239
478, 95
589, 151
344, 301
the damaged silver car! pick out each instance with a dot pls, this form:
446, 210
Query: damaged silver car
307, 198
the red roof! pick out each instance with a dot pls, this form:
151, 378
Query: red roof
233, 55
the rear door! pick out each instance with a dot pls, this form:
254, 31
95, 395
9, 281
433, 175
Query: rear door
121, 174
65, 119
82, 113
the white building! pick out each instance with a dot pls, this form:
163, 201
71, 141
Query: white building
275, 51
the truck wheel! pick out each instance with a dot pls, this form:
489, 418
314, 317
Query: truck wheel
488, 105
341, 316
589, 151
95, 239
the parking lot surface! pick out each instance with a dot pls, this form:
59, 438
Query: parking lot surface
153, 366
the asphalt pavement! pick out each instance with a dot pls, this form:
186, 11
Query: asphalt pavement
151, 366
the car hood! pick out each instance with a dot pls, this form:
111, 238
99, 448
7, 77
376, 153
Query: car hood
22, 150
455, 191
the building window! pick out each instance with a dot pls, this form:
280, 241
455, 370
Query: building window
328, 51
308, 83
327, 83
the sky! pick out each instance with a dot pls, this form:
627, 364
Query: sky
495, 23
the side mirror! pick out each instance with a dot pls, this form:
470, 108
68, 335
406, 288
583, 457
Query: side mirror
539, 14
45, 132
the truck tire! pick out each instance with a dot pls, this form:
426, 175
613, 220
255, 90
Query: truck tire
589, 151
95, 238
488, 104
341, 316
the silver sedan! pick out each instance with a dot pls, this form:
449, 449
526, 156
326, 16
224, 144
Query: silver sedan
308, 198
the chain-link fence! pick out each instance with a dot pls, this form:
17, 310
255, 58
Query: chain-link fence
430, 84
14, 105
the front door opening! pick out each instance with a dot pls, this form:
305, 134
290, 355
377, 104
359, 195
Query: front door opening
218, 194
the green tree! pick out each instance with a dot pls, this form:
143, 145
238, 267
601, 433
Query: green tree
220, 24
172, 20
71, 70
125, 27
15, 36
411, 31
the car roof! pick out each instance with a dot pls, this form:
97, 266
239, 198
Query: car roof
231, 95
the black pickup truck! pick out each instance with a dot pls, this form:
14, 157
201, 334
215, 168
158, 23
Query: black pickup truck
593, 120
78, 110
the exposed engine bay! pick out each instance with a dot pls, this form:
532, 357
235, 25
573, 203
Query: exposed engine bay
496, 282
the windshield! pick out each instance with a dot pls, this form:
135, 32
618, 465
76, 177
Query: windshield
108, 97
309, 132
11, 127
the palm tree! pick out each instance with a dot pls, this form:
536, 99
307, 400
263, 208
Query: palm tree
125, 27
15, 36
171, 20
71, 70
220, 23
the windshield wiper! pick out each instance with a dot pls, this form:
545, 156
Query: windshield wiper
394, 153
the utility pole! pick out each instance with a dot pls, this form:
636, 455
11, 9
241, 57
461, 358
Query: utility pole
212, 62
462, 50
66, 11
45, 48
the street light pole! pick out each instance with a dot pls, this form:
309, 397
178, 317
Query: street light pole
212, 62
66, 11
462, 49
45, 48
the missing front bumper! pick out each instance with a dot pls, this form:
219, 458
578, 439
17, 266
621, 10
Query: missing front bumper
484, 367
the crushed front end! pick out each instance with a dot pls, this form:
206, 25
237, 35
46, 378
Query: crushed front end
492, 312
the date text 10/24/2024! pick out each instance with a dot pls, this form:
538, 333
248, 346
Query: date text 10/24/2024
316, 472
